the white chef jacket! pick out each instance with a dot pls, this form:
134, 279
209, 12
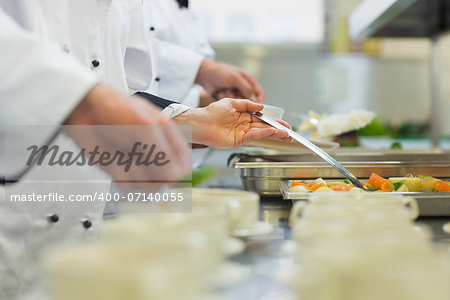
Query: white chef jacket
42, 87
181, 47
106, 36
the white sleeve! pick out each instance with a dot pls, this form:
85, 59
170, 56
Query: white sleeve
40, 84
174, 110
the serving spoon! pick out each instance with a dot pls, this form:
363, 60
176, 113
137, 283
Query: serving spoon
321, 153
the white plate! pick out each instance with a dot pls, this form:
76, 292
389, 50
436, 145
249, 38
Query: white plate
257, 229
233, 246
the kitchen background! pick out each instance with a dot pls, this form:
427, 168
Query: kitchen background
313, 65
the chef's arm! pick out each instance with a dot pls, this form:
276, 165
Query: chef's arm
226, 123
180, 68
44, 86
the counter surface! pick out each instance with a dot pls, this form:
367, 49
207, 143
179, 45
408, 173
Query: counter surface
265, 258
263, 255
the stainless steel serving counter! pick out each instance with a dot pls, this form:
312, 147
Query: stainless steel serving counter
263, 255
265, 259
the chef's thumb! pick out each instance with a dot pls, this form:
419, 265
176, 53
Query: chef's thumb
247, 106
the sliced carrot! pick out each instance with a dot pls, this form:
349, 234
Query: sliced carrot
340, 188
316, 186
295, 183
441, 186
385, 186
376, 181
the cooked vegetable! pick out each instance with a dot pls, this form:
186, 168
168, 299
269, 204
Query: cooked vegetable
427, 183
442, 186
413, 184
376, 181
317, 186
340, 188
356, 190
397, 185
385, 186
403, 189
299, 189
324, 189
294, 183
318, 181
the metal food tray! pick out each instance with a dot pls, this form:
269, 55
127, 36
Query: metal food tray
262, 171
431, 204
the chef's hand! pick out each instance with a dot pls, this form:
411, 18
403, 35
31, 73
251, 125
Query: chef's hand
228, 123
217, 76
105, 106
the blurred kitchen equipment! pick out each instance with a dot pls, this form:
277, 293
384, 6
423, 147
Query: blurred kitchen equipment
336, 124
411, 19
325, 156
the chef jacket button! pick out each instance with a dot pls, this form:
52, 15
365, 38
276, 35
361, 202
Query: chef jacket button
53, 218
95, 63
87, 224
157, 79
152, 28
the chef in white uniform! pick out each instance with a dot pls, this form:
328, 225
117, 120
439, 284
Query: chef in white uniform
45, 86
183, 58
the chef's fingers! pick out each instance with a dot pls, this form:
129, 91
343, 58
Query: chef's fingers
258, 124
258, 133
246, 106
284, 123
257, 88
280, 134
244, 87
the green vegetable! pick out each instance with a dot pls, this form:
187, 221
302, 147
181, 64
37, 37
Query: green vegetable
433, 190
397, 185
346, 181
396, 145
372, 188
375, 128
202, 174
